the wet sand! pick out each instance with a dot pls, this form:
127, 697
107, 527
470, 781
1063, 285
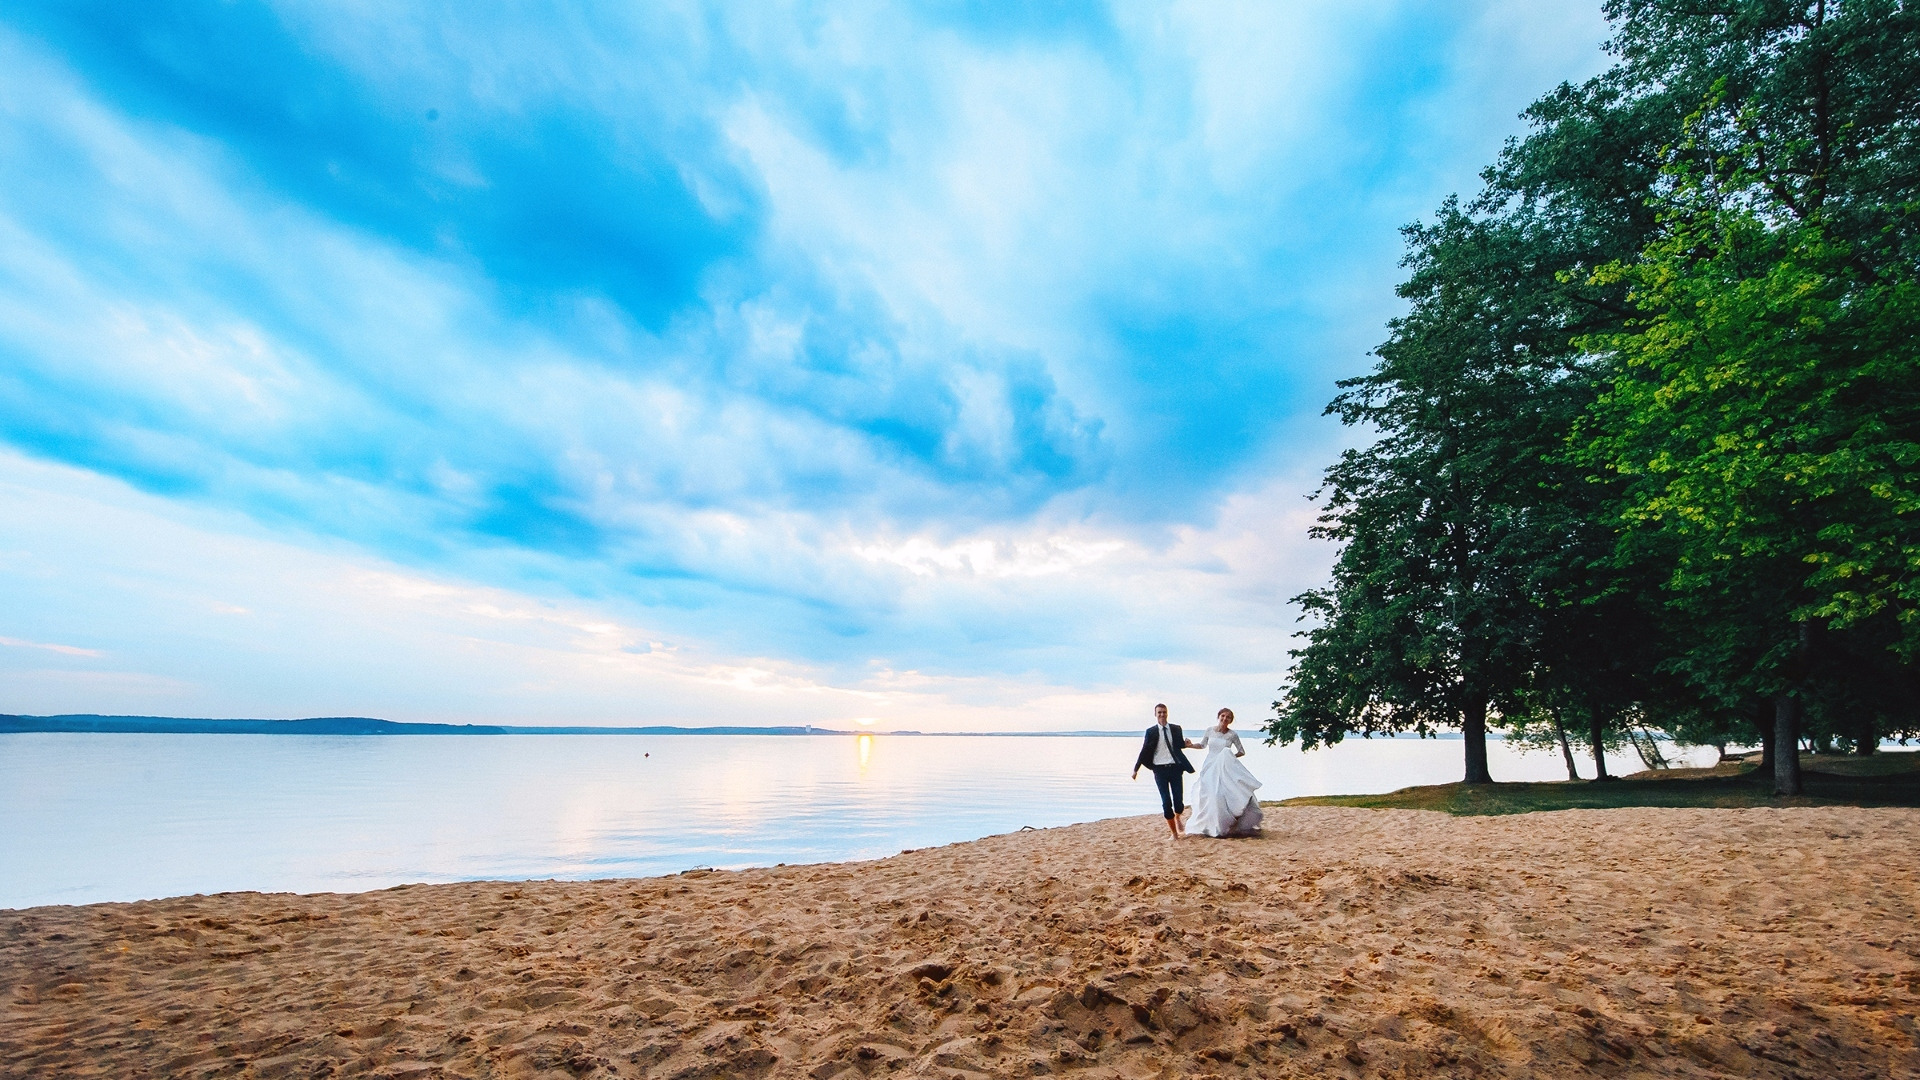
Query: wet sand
1357, 943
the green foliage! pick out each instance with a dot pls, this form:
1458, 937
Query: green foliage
1767, 414
1805, 108
1765, 403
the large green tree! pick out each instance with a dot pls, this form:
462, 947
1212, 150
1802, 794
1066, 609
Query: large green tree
1433, 618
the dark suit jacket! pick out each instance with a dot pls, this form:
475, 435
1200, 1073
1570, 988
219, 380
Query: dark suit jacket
1145, 760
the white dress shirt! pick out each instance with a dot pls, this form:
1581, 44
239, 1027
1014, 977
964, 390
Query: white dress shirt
1163, 754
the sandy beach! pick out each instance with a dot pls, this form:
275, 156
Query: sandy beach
1639, 942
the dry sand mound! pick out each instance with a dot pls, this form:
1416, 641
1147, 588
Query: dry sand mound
1736, 943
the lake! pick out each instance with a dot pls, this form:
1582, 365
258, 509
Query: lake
87, 818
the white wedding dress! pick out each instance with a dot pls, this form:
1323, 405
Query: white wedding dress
1223, 795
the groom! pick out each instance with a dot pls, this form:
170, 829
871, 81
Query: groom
1164, 753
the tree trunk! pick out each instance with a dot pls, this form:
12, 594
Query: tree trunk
1786, 717
1473, 729
1867, 739
1786, 744
1763, 721
1566, 749
1646, 746
1595, 734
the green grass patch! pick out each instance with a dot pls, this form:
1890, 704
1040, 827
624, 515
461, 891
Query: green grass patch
1883, 779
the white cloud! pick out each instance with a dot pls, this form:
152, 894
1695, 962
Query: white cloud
991, 558
339, 633
64, 650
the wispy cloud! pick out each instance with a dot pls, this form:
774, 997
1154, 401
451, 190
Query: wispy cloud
66, 650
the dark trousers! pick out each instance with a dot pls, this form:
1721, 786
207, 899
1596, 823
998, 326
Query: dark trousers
1170, 779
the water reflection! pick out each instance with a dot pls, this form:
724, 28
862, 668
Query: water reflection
866, 752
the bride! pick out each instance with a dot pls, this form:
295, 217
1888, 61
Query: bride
1223, 800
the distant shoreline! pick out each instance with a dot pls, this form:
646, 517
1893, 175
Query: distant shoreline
94, 724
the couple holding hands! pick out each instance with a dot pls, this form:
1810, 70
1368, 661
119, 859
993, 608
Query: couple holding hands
1223, 799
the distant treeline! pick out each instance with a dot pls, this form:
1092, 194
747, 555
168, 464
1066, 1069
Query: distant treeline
1648, 435
365, 725
350, 725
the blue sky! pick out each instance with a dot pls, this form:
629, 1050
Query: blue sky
949, 365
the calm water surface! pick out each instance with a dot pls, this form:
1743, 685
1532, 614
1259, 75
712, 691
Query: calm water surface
86, 818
